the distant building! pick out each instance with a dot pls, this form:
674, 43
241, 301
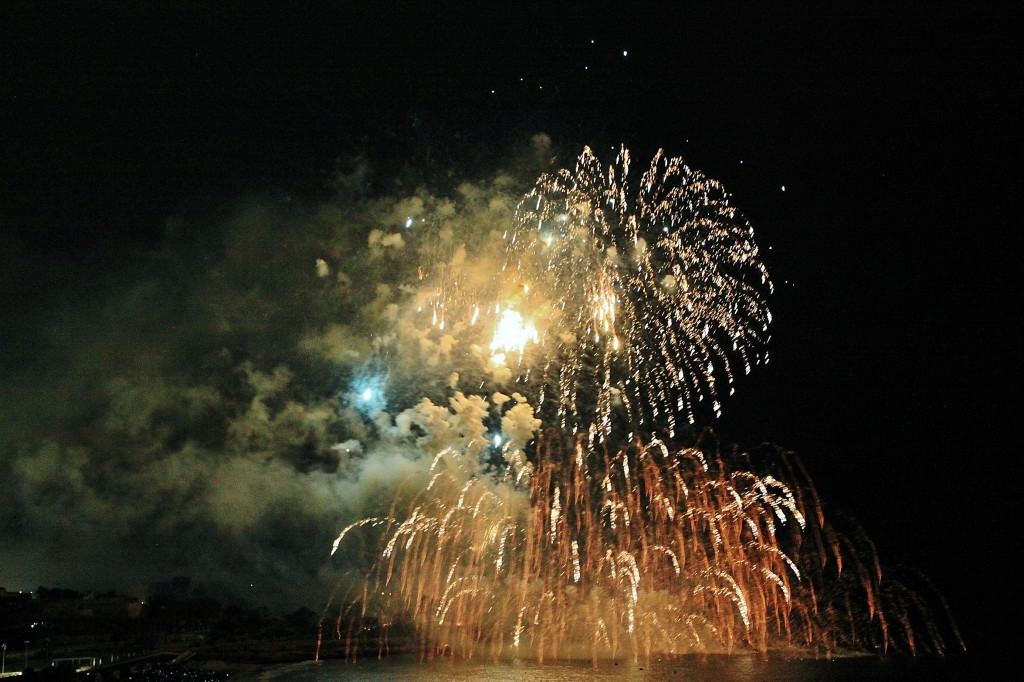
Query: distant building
13, 598
91, 606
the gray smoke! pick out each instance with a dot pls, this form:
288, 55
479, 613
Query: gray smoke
220, 406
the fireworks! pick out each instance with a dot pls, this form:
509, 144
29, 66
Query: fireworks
641, 552
613, 305
654, 295
616, 313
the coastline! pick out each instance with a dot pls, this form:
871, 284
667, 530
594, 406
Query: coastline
247, 660
240, 658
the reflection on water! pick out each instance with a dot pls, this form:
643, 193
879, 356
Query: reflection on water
706, 669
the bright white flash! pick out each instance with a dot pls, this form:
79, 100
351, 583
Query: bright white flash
513, 333
367, 393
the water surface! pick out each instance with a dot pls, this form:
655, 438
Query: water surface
739, 668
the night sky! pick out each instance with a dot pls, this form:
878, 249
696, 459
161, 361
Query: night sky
870, 148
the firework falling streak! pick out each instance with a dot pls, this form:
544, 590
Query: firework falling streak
639, 552
653, 296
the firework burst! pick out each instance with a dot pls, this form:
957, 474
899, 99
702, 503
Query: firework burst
652, 296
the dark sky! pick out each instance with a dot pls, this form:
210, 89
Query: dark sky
894, 358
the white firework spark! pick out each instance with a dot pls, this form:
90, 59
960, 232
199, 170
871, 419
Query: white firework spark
652, 296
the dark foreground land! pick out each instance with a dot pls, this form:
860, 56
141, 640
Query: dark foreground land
178, 630
202, 663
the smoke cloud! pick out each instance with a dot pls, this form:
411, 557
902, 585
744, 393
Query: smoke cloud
220, 406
